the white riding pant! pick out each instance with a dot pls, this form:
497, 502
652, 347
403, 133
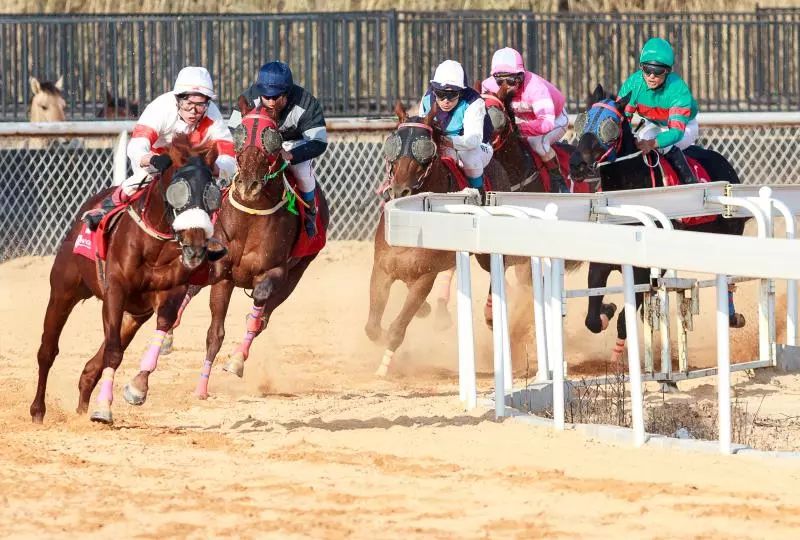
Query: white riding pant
304, 172
650, 131
472, 161
543, 144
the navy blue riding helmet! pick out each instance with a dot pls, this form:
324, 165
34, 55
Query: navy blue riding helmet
273, 80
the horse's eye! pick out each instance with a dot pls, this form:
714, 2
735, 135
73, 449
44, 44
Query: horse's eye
44, 107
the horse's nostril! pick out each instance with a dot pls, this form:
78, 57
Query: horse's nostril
406, 192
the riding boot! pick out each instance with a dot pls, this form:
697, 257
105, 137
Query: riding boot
557, 182
477, 183
93, 217
310, 219
678, 161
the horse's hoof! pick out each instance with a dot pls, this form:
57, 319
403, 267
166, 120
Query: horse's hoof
423, 311
102, 416
235, 365
166, 345
382, 371
201, 395
669, 387
736, 320
134, 396
37, 419
489, 323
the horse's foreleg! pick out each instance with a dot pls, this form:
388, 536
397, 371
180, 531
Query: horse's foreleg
169, 304
94, 367
113, 305
191, 292
380, 284
62, 301
598, 314
259, 317
417, 293
220, 299
640, 276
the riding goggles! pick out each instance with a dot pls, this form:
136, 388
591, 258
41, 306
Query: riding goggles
187, 105
651, 69
448, 95
510, 80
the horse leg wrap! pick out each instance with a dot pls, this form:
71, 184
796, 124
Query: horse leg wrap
619, 347
150, 358
106, 395
202, 384
255, 324
383, 368
731, 307
442, 285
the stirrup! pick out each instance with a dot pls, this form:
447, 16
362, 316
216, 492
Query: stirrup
92, 218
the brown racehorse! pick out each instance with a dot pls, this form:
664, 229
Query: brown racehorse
418, 268
259, 232
149, 254
119, 108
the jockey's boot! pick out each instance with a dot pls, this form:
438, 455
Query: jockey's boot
93, 217
477, 183
681, 165
310, 219
557, 182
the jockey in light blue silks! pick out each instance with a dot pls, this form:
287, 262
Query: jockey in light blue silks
462, 117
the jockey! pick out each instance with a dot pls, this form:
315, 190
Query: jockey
300, 123
665, 102
538, 107
462, 116
187, 109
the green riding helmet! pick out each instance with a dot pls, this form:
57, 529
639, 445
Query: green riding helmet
657, 51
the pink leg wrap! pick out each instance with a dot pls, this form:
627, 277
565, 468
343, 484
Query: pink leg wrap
255, 324
620, 346
106, 393
442, 285
150, 357
202, 384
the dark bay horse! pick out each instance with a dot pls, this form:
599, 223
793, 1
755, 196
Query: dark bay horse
258, 224
153, 250
607, 148
118, 108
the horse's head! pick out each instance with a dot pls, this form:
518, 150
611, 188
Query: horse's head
602, 132
47, 104
410, 152
501, 115
118, 108
191, 195
258, 145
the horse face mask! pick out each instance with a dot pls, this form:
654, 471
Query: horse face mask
412, 140
257, 129
602, 120
193, 195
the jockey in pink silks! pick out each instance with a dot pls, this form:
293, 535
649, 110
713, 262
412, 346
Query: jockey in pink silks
537, 105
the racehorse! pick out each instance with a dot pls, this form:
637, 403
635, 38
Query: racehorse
268, 250
159, 240
119, 108
606, 148
414, 166
47, 103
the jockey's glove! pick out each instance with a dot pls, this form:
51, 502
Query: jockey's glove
160, 162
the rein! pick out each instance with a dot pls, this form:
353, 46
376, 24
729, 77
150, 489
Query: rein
289, 198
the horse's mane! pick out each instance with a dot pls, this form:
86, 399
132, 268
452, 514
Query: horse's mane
181, 149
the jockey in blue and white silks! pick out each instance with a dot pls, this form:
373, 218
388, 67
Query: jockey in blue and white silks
462, 117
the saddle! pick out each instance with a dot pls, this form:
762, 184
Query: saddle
458, 176
94, 244
669, 177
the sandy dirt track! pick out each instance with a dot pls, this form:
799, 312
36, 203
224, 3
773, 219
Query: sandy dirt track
310, 444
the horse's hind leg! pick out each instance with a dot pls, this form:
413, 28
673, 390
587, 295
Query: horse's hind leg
442, 285
417, 293
166, 346
64, 295
259, 317
598, 314
94, 367
219, 301
169, 303
640, 276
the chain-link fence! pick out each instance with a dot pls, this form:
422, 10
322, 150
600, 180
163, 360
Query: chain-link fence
43, 182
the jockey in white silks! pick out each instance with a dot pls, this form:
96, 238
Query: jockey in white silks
187, 109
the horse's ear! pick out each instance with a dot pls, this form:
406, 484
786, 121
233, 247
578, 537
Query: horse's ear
60, 83
502, 93
109, 97
431, 114
597, 94
36, 86
244, 104
400, 111
623, 101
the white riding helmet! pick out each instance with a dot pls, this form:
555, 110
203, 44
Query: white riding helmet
449, 75
194, 80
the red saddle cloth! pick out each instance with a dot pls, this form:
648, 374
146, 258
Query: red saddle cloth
460, 177
563, 155
94, 244
670, 178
